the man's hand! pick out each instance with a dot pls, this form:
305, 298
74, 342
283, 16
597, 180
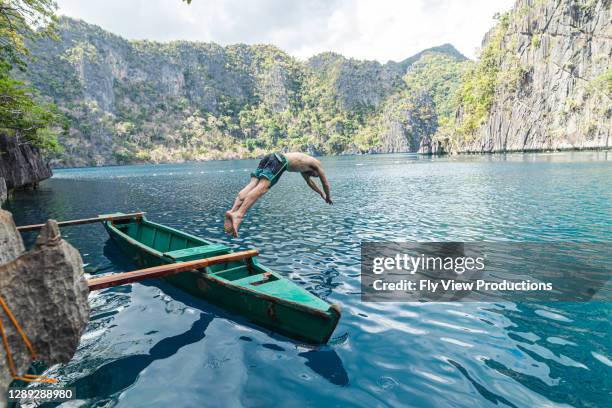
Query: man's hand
325, 198
325, 184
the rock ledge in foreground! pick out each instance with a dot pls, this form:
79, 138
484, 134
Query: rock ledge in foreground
47, 293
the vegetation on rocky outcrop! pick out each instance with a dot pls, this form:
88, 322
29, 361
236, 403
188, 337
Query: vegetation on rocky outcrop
142, 101
423, 102
27, 123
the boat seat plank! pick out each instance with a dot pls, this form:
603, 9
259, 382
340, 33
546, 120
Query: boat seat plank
289, 291
204, 251
284, 289
249, 280
234, 274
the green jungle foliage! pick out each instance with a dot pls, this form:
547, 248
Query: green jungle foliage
22, 113
479, 82
142, 101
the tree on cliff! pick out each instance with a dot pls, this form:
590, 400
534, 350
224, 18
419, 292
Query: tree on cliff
22, 114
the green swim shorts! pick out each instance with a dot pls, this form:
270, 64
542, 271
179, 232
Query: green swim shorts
272, 166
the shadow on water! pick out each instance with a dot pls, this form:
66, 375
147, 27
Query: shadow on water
328, 365
119, 374
323, 361
118, 261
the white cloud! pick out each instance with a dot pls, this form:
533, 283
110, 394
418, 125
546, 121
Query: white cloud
364, 29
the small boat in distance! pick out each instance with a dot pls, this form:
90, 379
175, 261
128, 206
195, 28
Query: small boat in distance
244, 287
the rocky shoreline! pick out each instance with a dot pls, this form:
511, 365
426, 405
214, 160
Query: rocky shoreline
442, 150
438, 149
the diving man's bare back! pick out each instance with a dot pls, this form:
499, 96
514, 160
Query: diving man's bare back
309, 167
270, 168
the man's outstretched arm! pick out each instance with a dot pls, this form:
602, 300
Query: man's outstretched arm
325, 184
312, 185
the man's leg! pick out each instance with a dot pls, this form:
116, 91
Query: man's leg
251, 198
227, 224
243, 193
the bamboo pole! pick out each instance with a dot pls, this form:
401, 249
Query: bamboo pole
99, 218
165, 270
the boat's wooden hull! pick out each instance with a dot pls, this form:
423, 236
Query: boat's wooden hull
285, 316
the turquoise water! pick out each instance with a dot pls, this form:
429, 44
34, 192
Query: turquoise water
152, 345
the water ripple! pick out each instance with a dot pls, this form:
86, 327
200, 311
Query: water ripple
141, 337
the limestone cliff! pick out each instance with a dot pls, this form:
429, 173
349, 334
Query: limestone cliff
357, 84
544, 82
21, 165
46, 292
405, 121
143, 101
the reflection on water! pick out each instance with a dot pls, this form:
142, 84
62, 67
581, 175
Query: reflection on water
151, 342
327, 364
119, 374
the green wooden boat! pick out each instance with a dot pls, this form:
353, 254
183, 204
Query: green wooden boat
243, 287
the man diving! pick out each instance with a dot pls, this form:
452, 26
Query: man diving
269, 170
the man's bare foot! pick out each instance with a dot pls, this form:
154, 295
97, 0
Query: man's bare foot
236, 221
227, 224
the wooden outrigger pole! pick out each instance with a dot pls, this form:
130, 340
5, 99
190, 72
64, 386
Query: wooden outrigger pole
100, 218
165, 270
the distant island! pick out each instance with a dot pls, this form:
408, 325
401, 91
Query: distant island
540, 83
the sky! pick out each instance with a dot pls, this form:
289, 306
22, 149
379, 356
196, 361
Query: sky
380, 30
